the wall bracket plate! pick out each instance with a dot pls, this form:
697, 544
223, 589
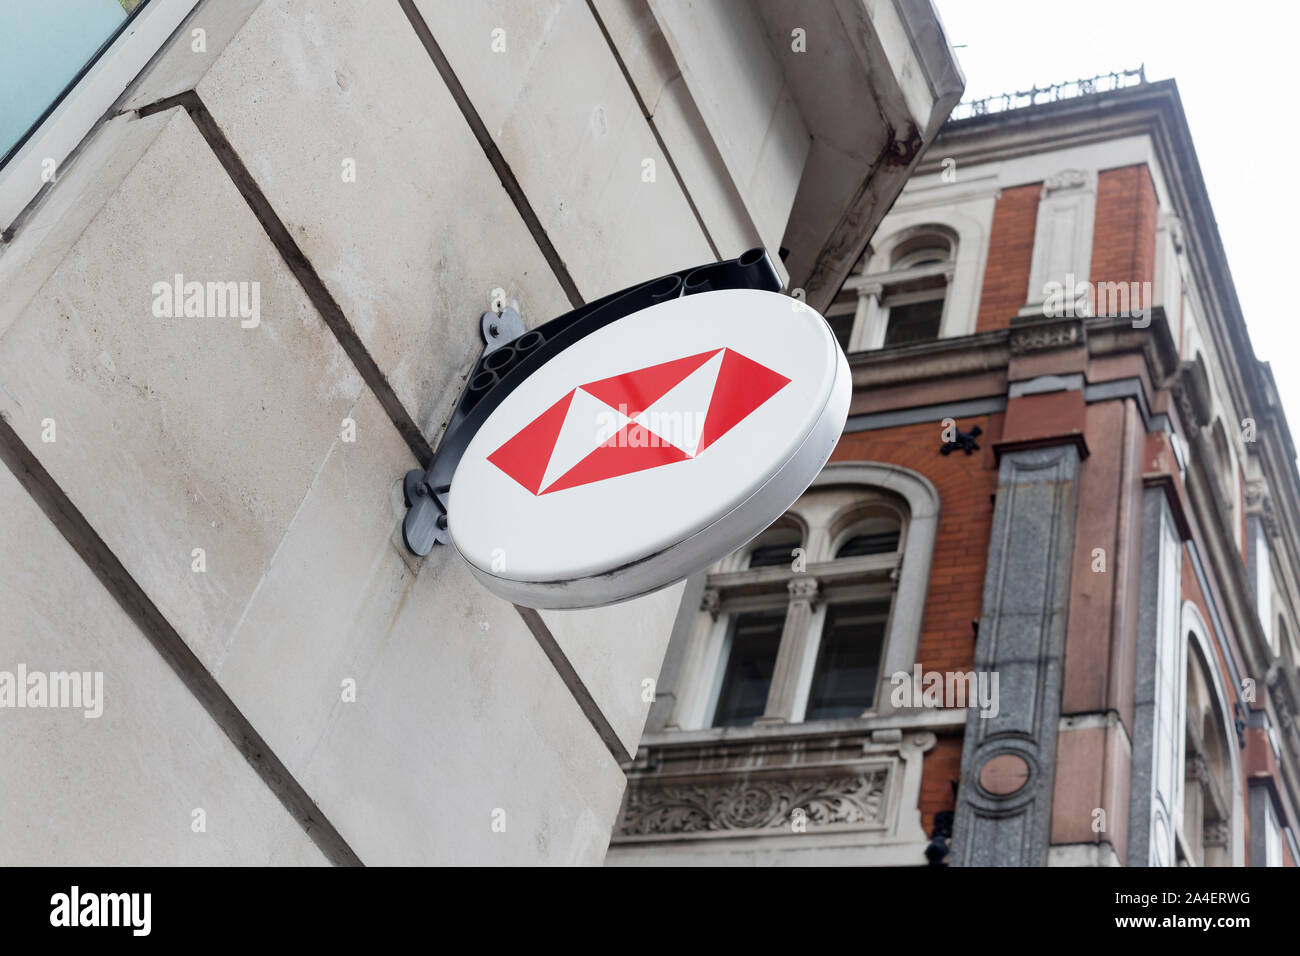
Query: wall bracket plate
511, 354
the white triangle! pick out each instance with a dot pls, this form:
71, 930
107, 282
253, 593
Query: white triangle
678, 416
588, 425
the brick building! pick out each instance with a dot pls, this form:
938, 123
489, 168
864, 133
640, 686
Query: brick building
1041, 607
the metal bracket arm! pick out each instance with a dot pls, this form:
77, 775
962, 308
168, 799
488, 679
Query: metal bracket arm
511, 354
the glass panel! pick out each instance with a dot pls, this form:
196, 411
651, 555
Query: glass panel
43, 46
755, 639
877, 535
914, 322
775, 547
885, 542
842, 327
844, 683
769, 556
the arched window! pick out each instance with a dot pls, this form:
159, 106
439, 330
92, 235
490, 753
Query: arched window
899, 293
1206, 807
807, 621
877, 529
775, 546
1209, 831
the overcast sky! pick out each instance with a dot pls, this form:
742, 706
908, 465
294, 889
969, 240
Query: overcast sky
1235, 65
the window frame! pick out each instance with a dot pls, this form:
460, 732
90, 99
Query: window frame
1197, 642
901, 576
878, 292
84, 103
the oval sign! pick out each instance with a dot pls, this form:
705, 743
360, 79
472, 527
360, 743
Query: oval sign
650, 449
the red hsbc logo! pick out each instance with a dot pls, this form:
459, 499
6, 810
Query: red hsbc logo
641, 419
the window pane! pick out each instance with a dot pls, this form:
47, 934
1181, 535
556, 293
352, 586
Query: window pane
755, 639
914, 322
883, 542
42, 47
774, 546
841, 326
844, 683
771, 555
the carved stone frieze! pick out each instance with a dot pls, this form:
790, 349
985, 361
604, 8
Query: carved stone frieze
776, 784
853, 799
1045, 336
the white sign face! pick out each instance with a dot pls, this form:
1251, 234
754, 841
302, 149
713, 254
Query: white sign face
649, 449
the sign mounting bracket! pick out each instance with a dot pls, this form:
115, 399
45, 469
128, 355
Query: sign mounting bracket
511, 354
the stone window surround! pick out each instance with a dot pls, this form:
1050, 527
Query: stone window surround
874, 289
701, 673
962, 212
1194, 629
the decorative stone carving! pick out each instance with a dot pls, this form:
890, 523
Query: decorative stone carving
1066, 179
808, 793
711, 601
764, 804
1045, 336
803, 589
1191, 390
1216, 833
1260, 502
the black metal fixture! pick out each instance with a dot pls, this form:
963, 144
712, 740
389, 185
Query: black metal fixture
940, 834
965, 441
511, 354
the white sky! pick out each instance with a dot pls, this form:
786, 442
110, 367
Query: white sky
1235, 65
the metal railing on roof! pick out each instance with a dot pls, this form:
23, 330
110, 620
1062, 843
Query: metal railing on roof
1001, 103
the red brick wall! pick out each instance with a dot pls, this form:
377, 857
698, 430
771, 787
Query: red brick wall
966, 484
942, 767
1124, 230
1011, 252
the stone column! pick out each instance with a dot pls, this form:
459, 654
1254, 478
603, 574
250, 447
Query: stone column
870, 319
684, 663
1160, 682
795, 638
1005, 800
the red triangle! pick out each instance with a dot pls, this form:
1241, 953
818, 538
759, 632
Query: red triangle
633, 392
743, 385
633, 449
525, 457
